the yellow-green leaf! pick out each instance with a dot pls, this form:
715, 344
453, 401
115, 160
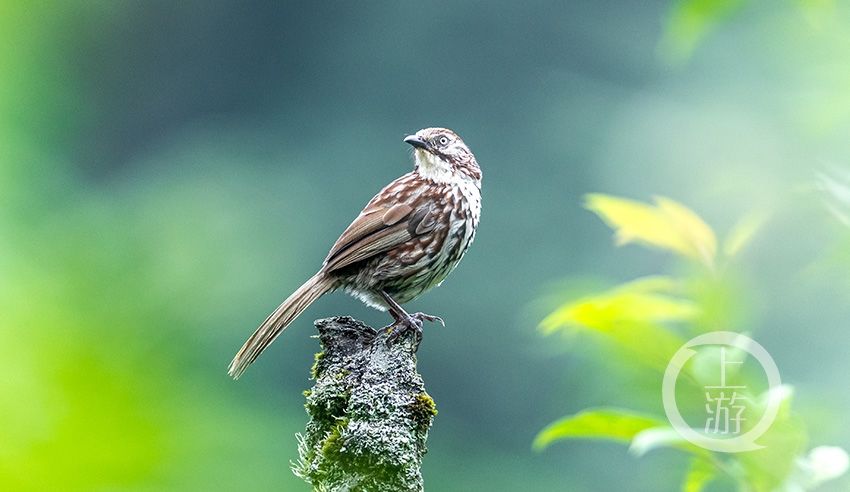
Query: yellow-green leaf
597, 423
701, 241
629, 315
599, 311
661, 437
743, 232
688, 22
700, 473
667, 224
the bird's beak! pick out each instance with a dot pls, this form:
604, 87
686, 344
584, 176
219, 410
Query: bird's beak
416, 141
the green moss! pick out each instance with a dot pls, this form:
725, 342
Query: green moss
423, 410
333, 443
375, 472
326, 411
317, 361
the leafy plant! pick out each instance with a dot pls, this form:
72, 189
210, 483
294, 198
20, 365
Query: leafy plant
647, 319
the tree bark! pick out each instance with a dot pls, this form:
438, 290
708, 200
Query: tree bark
369, 412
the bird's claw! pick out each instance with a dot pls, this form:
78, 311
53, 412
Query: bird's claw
411, 322
428, 317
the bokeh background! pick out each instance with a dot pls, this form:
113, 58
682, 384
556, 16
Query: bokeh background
169, 171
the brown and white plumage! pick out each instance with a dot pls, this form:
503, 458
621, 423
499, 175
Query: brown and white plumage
407, 239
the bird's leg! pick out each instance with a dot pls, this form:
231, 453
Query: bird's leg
400, 315
408, 321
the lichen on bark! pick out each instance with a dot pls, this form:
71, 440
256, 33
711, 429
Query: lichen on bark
369, 411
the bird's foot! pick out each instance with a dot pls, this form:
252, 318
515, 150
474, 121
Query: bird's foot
422, 317
411, 322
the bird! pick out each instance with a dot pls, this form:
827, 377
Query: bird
406, 241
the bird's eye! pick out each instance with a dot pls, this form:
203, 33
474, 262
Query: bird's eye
443, 141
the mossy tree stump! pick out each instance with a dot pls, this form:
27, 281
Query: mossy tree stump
369, 412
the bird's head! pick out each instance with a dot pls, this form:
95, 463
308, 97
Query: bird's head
442, 156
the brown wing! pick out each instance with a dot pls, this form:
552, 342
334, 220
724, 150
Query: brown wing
380, 227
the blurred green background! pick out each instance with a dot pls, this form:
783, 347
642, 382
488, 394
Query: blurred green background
169, 171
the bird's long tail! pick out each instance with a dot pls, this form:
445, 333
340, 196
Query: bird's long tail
274, 325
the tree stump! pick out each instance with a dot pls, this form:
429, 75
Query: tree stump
369, 412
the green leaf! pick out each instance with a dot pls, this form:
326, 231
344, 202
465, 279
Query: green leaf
598, 423
667, 225
767, 468
688, 23
629, 315
700, 473
742, 233
661, 437
646, 299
